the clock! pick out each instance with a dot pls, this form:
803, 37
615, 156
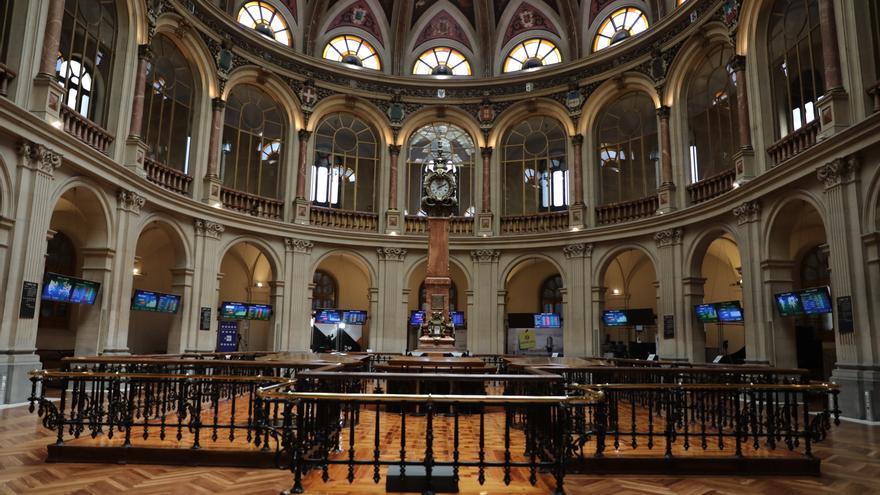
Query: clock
439, 193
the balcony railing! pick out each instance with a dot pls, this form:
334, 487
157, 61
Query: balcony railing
711, 187
6, 75
530, 224
794, 143
627, 210
251, 204
457, 225
363, 221
874, 92
85, 130
173, 180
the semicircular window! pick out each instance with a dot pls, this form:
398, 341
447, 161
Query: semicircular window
620, 25
531, 54
353, 50
266, 20
442, 61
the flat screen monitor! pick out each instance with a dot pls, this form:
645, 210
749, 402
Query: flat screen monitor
644, 316
789, 304
816, 300
615, 318
457, 318
547, 320
328, 316
84, 292
261, 312
168, 303
706, 313
416, 318
144, 300
354, 317
57, 287
729, 312
231, 310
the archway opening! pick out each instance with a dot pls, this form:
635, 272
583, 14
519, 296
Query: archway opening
534, 305
417, 304
721, 270
247, 277
340, 304
629, 306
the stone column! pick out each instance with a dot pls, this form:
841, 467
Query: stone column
577, 333
26, 261
777, 345
833, 106
694, 334
95, 334
484, 326
389, 335
187, 317
280, 325
48, 94
758, 335
744, 159
297, 308
670, 299
212, 176
484, 217
597, 302
206, 266
301, 203
135, 148
665, 192
576, 210
393, 217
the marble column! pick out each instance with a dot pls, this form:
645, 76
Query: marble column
394, 223
304, 136
576, 210
833, 107
666, 190
51, 38
212, 180
48, 95
145, 56
484, 217
483, 324
738, 65
296, 332
578, 337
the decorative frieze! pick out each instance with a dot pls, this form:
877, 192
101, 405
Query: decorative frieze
839, 171
485, 255
669, 237
391, 254
580, 250
299, 245
38, 157
747, 212
207, 228
129, 201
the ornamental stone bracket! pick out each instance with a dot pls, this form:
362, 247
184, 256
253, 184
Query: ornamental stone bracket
391, 254
581, 250
207, 228
298, 245
747, 212
838, 172
670, 237
130, 201
39, 158
485, 255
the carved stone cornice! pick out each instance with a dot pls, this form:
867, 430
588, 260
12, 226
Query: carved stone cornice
580, 250
839, 171
298, 245
129, 201
38, 157
207, 228
485, 255
391, 254
747, 212
669, 237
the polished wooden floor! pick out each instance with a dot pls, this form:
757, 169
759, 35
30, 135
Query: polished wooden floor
851, 465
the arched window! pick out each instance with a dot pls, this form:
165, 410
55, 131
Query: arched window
627, 149
794, 49
551, 295
325, 293
266, 20
86, 55
618, 26
252, 147
168, 105
60, 259
442, 61
352, 50
712, 116
531, 54
458, 151
453, 297
344, 170
534, 167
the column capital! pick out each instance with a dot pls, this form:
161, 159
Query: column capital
737, 63
394, 149
218, 104
207, 228
838, 171
663, 112
669, 237
298, 245
129, 201
486, 151
747, 212
38, 157
485, 255
577, 140
145, 52
580, 250
304, 134
391, 254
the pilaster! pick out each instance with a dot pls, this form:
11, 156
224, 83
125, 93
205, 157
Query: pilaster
577, 324
295, 332
484, 326
670, 299
206, 265
390, 317
187, 317
694, 333
758, 337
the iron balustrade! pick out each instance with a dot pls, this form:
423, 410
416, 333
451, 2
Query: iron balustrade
689, 375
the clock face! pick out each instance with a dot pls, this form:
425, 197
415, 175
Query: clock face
439, 188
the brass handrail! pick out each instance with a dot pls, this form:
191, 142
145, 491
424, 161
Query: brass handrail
264, 392
824, 387
93, 374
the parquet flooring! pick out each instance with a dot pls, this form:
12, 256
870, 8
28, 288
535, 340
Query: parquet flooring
851, 465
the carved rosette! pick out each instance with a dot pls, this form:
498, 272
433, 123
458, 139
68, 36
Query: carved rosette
391, 254
38, 157
747, 212
580, 250
485, 255
130, 201
299, 245
670, 237
839, 171
208, 228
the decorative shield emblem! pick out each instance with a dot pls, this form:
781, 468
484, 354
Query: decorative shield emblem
573, 99
396, 112
487, 113
308, 95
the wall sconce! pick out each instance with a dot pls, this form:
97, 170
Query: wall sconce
259, 285
138, 269
615, 292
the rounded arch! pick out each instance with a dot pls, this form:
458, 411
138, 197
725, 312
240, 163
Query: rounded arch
688, 59
193, 48
511, 266
173, 229
357, 106
517, 112
593, 27
609, 91
285, 13
697, 249
751, 14
604, 262
413, 50
357, 258
776, 212
417, 262
502, 47
452, 115
273, 86
104, 233
265, 248
327, 34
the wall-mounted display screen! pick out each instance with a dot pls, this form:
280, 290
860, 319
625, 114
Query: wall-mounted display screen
328, 316
816, 300
259, 312
61, 288
729, 312
144, 300
457, 318
354, 317
231, 310
84, 292
615, 318
547, 320
644, 316
168, 303
706, 313
416, 318
789, 304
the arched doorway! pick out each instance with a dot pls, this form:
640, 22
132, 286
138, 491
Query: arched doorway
417, 302
340, 301
534, 306
247, 276
721, 270
629, 306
